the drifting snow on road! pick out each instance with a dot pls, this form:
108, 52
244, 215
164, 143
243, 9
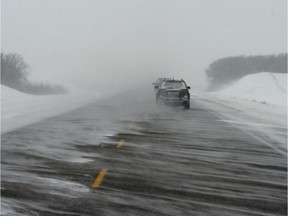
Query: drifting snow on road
157, 161
225, 156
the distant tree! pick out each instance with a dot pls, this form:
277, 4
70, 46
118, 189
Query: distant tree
226, 70
14, 73
14, 70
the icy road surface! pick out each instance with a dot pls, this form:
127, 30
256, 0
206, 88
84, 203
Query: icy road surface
126, 156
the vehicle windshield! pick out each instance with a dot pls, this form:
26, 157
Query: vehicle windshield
175, 85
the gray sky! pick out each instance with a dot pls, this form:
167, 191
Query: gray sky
102, 43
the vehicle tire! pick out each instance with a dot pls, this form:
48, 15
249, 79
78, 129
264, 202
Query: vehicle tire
187, 106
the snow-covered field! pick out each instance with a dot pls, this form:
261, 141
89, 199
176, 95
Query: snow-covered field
19, 109
266, 88
262, 95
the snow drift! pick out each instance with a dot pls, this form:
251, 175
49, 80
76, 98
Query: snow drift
265, 88
19, 109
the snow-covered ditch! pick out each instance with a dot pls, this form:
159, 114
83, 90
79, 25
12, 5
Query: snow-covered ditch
257, 102
262, 95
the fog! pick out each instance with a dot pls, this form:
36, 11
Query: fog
101, 45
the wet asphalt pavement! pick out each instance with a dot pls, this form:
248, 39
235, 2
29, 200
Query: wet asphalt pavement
127, 156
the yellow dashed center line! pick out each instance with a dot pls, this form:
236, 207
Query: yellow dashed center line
119, 145
103, 172
99, 178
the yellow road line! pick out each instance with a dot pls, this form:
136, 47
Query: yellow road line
119, 145
99, 178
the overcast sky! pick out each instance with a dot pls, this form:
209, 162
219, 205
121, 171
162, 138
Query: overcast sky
103, 43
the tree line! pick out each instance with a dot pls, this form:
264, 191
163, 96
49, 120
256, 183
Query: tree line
225, 70
15, 72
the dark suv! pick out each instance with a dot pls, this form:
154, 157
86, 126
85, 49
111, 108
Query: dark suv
174, 92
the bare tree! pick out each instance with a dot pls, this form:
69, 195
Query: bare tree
14, 70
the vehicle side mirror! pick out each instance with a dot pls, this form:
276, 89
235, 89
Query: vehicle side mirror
188, 87
156, 87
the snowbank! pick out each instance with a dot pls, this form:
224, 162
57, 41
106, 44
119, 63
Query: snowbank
257, 103
265, 88
256, 98
19, 109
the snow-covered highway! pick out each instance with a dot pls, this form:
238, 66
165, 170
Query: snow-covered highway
126, 156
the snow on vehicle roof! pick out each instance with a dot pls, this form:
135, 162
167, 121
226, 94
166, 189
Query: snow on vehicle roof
174, 84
